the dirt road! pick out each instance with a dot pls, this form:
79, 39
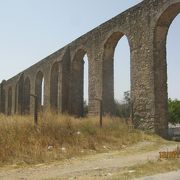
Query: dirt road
98, 166
174, 175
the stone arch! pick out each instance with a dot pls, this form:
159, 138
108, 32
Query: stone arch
27, 88
108, 72
160, 67
20, 94
77, 83
54, 87
9, 110
39, 89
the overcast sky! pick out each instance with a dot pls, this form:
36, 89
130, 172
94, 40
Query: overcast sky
33, 29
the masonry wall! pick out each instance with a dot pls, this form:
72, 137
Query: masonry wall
143, 25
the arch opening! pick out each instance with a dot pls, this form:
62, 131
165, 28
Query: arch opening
173, 65
86, 85
39, 90
160, 68
42, 93
116, 75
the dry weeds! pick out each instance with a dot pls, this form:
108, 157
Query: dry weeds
60, 136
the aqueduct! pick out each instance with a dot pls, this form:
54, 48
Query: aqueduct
145, 26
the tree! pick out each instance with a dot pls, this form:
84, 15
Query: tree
127, 97
174, 111
123, 108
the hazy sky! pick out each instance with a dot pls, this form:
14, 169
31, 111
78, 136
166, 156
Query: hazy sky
33, 29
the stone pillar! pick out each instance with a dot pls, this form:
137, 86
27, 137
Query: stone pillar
6, 101
160, 81
32, 91
95, 80
47, 77
2, 98
148, 85
142, 88
13, 99
17, 95
108, 81
77, 87
65, 82
60, 87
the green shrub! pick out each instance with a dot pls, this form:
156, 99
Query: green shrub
174, 111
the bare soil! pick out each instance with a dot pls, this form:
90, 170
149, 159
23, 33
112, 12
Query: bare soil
97, 166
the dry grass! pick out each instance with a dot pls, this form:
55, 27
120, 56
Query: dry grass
148, 169
60, 136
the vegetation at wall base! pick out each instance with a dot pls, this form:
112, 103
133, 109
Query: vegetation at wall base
174, 111
60, 136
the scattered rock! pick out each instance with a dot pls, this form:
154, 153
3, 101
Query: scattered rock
78, 133
63, 149
109, 174
123, 146
131, 171
50, 147
104, 147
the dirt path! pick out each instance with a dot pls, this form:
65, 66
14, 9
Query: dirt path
174, 175
99, 166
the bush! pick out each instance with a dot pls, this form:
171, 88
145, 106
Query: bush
174, 111
122, 110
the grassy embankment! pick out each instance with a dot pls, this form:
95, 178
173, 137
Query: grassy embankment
60, 136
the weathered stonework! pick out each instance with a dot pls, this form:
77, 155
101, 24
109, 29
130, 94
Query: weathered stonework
145, 26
